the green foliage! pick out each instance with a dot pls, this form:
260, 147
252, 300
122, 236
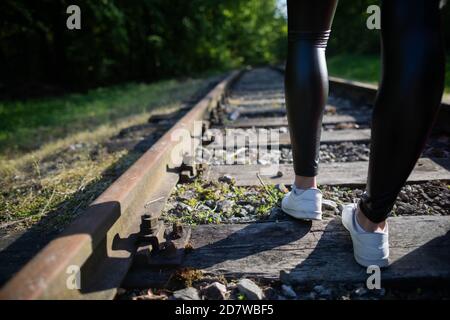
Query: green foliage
124, 40
364, 68
350, 34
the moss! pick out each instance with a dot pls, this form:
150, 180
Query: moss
184, 277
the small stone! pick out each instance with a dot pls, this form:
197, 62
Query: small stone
319, 288
360, 291
177, 230
225, 206
322, 291
423, 194
408, 208
215, 291
187, 195
121, 291
288, 291
202, 207
150, 296
184, 207
364, 158
282, 188
330, 109
234, 115
381, 292
210, 203
226, 179
249, 208
270, 293
403, 196
186, 294
276, 213
241, 213
216, 217
231, 285
326, 293
329, 204
311, 296
250, 289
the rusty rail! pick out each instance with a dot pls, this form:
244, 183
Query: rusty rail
91, 257
365, 93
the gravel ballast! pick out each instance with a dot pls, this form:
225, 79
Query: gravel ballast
223, 202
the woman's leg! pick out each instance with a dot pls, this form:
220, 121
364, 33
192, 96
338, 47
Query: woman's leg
306, 82
306, 91
413, 61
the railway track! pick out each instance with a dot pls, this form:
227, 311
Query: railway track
205, 198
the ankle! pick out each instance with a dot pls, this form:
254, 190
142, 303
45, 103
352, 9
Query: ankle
305, 182
368, 225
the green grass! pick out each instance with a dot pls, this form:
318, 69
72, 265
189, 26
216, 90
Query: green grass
364, 68
27, 125
53, 159
355, 67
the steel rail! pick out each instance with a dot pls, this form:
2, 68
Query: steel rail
92, 256
365, 93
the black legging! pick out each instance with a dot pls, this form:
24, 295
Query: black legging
413, 64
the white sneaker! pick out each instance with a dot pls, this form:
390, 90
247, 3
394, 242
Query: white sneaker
369, 248
303, 204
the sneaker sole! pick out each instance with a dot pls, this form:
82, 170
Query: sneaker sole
381, 263
302, 215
